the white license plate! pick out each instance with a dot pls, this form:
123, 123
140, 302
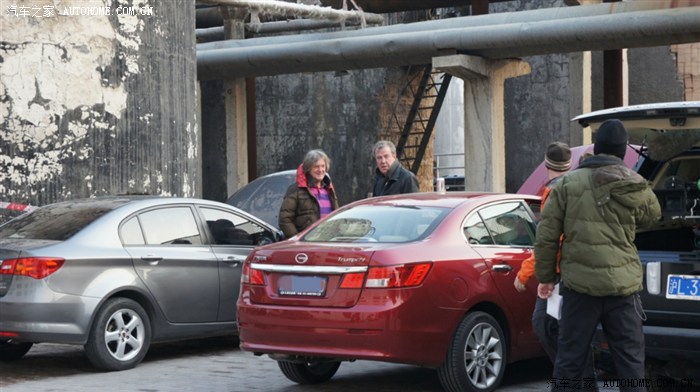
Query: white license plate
683, 287
313, 286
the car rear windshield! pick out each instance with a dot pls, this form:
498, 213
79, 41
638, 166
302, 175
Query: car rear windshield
55, 222
395, 223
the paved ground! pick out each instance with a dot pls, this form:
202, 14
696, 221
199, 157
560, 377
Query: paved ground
218, 365
215, 365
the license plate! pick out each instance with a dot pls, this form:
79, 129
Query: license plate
310, 286
683, 287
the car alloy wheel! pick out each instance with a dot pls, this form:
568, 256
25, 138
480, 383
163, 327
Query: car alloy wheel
120, 337
477, 357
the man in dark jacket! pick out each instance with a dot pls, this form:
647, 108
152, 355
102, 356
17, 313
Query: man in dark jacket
390, 177
598, 208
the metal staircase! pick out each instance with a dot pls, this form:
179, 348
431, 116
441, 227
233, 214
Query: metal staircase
417, 130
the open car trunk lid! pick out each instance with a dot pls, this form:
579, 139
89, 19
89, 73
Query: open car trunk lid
672, 122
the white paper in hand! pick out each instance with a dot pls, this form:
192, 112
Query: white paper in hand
554, 303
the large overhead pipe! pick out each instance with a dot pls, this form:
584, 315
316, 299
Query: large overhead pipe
547, 14
628, 30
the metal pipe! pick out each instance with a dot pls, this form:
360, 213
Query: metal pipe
628, 30
557, 13
212, 34
285, 9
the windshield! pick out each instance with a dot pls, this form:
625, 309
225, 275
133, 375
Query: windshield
378, 224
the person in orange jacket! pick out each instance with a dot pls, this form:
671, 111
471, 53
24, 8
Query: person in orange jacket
557, 160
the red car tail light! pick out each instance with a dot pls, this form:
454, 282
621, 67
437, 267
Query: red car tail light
407, 275
353, 280
252, 275
33, 267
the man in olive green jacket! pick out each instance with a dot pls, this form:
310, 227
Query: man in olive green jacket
598, 208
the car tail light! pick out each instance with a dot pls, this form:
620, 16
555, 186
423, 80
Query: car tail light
353, 281
406, 275
252, 275
654, 277
33, 267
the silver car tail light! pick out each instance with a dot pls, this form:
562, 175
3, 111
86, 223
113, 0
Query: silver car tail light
654, 277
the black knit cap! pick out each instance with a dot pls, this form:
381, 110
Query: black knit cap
558, 157
611, 138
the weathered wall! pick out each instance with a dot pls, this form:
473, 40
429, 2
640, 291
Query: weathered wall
539, 106
344, 114
97, 104
653, 75
339, 114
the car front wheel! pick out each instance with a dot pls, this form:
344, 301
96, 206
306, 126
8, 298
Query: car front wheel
120, 335
11, 351
308, 372
476, 359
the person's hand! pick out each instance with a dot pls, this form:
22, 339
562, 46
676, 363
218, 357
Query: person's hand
544, 290
519, 285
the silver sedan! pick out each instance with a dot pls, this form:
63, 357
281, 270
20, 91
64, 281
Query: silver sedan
117, 273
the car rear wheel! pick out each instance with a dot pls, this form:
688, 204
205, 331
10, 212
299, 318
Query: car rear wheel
308, 372
120, 336
11, 351
476, 359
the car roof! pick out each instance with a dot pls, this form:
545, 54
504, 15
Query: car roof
263, 196
438, 199
138, 201
538, 178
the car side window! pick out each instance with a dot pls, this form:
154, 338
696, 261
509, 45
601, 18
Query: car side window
131, 233
228, 228
501, 224
476, 232
170, 226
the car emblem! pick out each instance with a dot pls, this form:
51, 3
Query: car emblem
301, 258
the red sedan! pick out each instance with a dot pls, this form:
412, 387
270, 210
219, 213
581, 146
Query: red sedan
423, 278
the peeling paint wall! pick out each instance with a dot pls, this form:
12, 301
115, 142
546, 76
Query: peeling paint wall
98, 97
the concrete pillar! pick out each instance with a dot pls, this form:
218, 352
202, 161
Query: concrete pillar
236, 110
484, 125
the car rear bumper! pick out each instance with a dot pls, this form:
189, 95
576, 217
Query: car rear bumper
55, 319
670, 343
391, 334
664, 343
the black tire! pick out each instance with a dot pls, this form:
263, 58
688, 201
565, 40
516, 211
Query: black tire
11, 351
476, 359
308, 372
120, 335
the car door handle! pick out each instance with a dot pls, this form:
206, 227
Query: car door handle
502, 268
233, 260
152, 259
